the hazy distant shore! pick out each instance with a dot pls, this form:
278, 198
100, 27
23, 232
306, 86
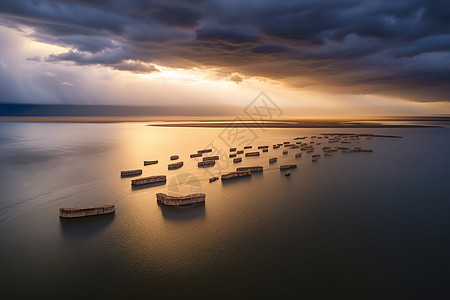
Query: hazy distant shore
291, 125
221, 122
81, 119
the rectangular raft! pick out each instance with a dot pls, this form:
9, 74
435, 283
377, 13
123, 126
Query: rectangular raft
284, 167
175, 166
252, 154
204, 151
206, 163
251, 169
130, 173
215, 157
147, 180
182, 200
235, 175
86, 211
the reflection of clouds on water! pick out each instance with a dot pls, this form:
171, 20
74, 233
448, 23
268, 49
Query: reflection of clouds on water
4, 140
29, 156
32, 143
25, 156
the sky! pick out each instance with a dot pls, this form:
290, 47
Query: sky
318, 57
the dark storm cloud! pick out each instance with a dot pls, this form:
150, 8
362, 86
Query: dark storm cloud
231, 35
387, 47
270, 48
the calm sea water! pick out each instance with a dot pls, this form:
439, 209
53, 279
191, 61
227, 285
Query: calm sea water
352, 226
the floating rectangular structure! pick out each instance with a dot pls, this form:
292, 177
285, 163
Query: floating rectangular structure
150, 162
237, 160
263, 147
240, 151
247, 147
284, 167
174, 157
297, 155
349, 150
232, 155
272, 160
175, 166
232, 149
204, 151
206, 163
252, 154
78, 212
147, 180
235, 174
196, 155
251, 169
216, 157
131, 173
181, 200
356, 150
265, 150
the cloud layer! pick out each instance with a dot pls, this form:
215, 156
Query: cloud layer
399, 48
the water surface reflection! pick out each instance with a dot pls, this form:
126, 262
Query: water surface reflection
80, 228
183, 213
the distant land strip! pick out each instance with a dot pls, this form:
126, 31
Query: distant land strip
216, 122
308, 124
